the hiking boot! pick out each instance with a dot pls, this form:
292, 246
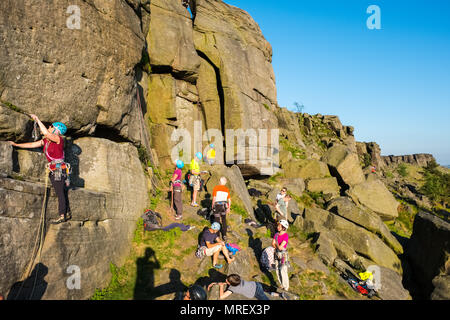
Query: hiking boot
195, 204
284, 296
68, 215
218, 266
178, 217
61, 219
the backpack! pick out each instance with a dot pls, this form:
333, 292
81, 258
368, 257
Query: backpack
152, 220
200, 252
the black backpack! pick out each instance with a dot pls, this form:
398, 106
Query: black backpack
152, 220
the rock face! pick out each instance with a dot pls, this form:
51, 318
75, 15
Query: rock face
5, 159
374, 195
428, 252
100, 75
104, 212
421, 159
231, 41
354, 240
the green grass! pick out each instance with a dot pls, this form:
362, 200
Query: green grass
239, 210
296, 152
402, 170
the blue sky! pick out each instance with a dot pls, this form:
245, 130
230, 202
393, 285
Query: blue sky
392, 84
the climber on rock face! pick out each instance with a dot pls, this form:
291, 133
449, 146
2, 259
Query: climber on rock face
221, 205
53, 145
210, 239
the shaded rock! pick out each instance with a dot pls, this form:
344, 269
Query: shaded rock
391, 286
345, 208
375, 196
428, 251
344, 164
14, 126
260, 186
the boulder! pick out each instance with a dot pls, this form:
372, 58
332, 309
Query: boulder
358, 239
374, 195
428, 251
345, 208
306, 169
391, 285
344, 164
259, 185
324, 185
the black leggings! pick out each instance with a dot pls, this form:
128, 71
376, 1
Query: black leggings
61, 193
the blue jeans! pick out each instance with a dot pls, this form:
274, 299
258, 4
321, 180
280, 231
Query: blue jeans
259, 294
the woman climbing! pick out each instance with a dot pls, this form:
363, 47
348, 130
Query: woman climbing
53, 145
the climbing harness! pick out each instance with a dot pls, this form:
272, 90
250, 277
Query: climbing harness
40, 237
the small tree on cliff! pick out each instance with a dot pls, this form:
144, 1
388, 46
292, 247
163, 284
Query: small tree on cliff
299, 107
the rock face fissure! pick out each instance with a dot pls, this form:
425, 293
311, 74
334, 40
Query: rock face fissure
221, 95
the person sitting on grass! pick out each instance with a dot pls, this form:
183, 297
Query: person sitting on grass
210, 239
249, 289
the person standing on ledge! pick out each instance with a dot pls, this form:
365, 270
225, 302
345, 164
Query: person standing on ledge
194, 179
53, 144
221, 205
177, 189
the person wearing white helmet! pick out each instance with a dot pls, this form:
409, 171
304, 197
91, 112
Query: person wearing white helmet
280, 242
210, 239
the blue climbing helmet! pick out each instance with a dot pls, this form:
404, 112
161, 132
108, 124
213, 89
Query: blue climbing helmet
212, 145
199, 155
60, 126
180, 164
215, 226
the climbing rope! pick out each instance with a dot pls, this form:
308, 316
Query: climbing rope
40, 237
144, 136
